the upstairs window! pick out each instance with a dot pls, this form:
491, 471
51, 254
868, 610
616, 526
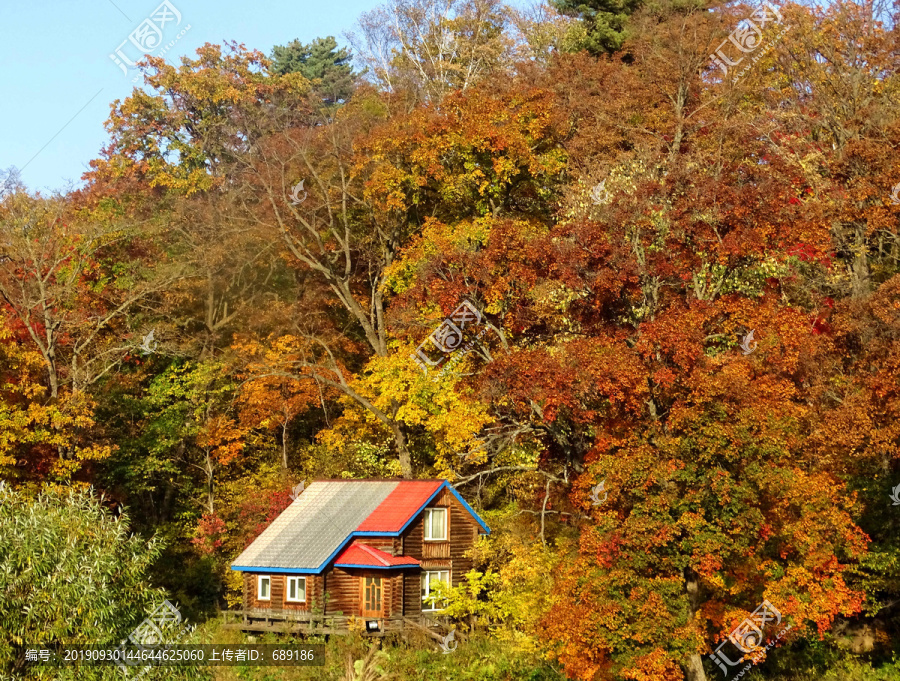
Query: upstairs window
435, 524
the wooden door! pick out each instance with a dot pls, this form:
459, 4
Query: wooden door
371, 596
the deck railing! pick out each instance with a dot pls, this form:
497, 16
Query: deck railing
293, 621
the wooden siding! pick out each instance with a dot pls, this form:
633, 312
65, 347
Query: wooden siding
437, 565
343, 591
412, 593
344, 585
395, 604
432, 549
277, 591
447, 555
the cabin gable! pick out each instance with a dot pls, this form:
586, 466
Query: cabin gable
462, 531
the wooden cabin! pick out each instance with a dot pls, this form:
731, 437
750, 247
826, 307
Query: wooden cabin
371, 549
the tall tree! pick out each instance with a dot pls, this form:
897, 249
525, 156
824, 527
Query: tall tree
70, 283
837, 120
191, 421
605, 21
272, 396
623, 317
34, 429
432, 47
325, 65
67, 285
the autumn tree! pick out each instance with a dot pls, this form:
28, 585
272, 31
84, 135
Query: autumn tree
837, 118
343, 222
622, 222
856, 397
34, 429
541, 32
433, 47
68, 285
623, 318
184, 131
264, 150
57, 281
193, 418
231, 275
273, 394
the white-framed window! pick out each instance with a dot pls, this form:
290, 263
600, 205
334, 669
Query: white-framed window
428, 580
263, 588
296, 590
435, 524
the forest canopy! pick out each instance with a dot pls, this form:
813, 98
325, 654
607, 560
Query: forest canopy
678, 226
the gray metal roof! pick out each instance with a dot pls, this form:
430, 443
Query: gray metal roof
313, 527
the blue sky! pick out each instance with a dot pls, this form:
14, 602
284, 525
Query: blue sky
58, 81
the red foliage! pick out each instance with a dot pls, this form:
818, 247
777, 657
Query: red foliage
258, 512
209, 533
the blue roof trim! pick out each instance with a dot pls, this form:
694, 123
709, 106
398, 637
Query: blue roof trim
370, 533
274, 570
376, 567
340, 547
466, 506
421, 508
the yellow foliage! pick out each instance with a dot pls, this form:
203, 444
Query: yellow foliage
234, 589
30, 427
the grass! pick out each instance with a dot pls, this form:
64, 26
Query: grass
413, 658
418, 658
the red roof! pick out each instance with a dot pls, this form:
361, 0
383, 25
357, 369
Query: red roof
399, 506
362, 555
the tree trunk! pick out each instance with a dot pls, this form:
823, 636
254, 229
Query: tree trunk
693, 668
693, 665
860, 265
53, 376
165, 510
678, 104
405, 458
210, 472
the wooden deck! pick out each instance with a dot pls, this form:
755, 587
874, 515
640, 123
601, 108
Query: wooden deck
293, 622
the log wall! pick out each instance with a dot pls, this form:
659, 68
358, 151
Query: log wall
277, 591
345, 590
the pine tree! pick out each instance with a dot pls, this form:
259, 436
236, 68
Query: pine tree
604, 20
322, 62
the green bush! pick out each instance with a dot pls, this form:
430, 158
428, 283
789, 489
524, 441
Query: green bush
70, 573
